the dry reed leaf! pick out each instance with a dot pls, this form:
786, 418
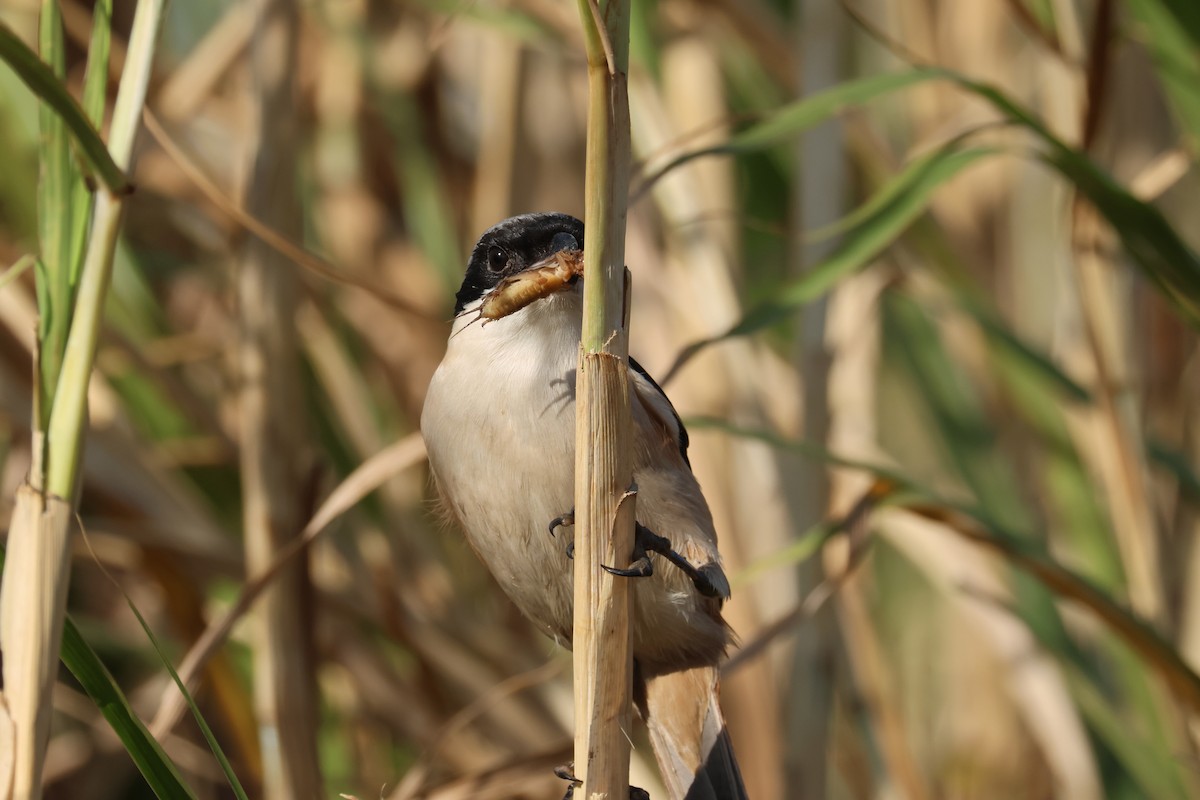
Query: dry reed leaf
369, 476
270, 236
400, 456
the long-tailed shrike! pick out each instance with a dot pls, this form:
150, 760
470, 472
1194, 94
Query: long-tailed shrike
499, 425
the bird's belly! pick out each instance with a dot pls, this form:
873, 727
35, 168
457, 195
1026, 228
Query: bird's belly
479, 454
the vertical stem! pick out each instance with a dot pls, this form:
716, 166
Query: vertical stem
607, 182
602, 641
68, 414
38, 568
1104, 308
819, 197
275, 457
54, 225
604, 508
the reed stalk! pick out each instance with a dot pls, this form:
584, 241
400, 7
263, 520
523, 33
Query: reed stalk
275, 450
819, 197
37, 572
604, 496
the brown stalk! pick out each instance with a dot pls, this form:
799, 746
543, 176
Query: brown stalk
604, 497
1122, 467
1125, 471
275, 454
1099, 63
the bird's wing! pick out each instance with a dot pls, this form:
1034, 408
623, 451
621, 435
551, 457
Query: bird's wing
659, 407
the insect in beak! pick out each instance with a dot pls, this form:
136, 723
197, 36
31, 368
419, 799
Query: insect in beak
556, 273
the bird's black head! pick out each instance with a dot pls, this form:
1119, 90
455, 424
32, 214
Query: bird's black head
514, 245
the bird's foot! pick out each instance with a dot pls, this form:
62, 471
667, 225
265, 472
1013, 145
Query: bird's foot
708, 579
563, 520
567, 773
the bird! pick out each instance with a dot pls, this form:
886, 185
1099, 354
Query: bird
499, 428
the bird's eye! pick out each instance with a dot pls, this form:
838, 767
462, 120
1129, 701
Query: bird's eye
497, 258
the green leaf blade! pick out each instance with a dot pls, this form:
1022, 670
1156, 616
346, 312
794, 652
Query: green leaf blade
879, 222
42, 82
154, 764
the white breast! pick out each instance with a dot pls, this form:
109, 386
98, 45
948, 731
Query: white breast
503, 394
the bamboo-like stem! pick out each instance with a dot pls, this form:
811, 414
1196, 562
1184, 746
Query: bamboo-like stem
1124, 471
68, 415
54, 224
34, 590
32, 605
604, 502
275, 458
819, 197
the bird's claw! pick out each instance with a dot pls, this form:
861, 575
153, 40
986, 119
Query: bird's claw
562, 520
708, 582
642, 567
567, 773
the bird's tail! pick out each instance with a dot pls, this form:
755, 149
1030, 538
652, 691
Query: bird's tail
688, 734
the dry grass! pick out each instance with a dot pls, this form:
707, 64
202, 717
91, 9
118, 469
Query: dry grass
938, 668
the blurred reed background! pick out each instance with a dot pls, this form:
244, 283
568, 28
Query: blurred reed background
1021, 387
